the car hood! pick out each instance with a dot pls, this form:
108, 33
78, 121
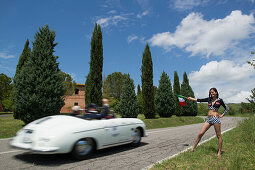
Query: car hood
51, 123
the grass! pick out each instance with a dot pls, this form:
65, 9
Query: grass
238, 152
169, 122
9, 126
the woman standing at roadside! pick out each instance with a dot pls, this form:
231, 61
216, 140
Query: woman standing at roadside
213, 118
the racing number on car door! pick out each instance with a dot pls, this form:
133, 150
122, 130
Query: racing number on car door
114, 130
112, 133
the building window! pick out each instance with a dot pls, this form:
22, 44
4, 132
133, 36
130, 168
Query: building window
76, 91
75, 103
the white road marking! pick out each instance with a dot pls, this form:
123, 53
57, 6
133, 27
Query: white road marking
1, 153
5, 139
170, 157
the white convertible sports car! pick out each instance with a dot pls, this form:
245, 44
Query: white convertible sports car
80, 137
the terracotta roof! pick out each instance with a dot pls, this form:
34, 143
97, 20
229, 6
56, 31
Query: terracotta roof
78, 84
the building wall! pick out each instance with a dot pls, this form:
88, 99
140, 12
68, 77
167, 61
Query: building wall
75, 98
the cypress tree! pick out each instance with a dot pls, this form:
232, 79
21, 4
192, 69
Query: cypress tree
190, 108
22, 59
164, 99
139, 92
38, 87
140, 99
94, 83
147, 84
128, 106
177, 90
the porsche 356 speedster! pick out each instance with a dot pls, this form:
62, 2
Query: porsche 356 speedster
80, 137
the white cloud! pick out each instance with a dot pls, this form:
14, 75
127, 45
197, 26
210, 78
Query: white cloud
131, 38
213, 37
111, 20
112, 12
140, 15
233, 81
4, 55
186, 4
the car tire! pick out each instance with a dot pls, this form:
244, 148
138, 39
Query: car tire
83, 148
137, 136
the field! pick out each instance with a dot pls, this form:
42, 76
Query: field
238, 152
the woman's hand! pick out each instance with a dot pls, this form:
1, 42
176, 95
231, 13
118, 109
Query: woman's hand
221, 115
191, 98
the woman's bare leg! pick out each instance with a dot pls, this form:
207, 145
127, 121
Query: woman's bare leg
217, 129
205, 127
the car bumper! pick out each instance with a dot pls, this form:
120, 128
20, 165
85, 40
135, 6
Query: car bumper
32, 148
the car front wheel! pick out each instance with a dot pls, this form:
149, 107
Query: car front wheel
137, 136
83, 148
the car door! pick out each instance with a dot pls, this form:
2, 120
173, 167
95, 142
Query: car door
114, 132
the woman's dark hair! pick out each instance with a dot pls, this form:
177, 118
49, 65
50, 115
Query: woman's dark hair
214, 89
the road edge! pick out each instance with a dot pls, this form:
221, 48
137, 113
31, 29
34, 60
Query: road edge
185, 150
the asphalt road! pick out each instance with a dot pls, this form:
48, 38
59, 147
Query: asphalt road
160, 144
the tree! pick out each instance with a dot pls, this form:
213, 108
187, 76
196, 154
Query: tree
39, 88
128, 106
164, 99
6, 87
177, 90
26, 53
140, 99
93, 85
139, 92
190, 108
23, 57
147, 84
68, 83
113, 85
253, 61
252, 100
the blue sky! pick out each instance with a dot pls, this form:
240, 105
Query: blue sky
211, 40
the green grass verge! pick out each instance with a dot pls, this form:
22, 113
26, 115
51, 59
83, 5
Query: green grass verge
169, 122
9, 126
238, 152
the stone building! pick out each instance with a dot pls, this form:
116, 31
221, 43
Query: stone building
78, 98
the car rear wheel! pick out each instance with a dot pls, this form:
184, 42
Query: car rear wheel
137, 136
83, 148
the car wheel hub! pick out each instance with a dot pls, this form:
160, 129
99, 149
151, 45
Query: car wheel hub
83, 147
136, 136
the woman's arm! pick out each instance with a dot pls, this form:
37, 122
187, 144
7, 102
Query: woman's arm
198, 100
225, 107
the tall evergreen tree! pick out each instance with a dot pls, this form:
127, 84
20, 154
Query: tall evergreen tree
190, 108
164, 99
93, 85
23, 57
147, 84
140, 99
177, 90
139, 92
26, 53
38, 88
128, 106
